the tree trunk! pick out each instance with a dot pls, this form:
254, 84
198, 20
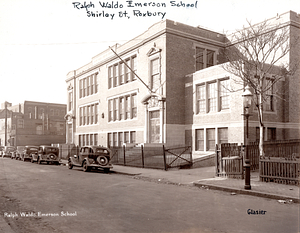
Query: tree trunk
261, 128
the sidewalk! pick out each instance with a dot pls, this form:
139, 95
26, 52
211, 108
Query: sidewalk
205, 178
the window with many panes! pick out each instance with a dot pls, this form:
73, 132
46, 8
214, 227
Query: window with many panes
118, 138
88, 114
199, 58
88, 86
200, 139
116, 108
224, 94
269, 104
211, 141
127, 107
122, 72
212, 97
223, 135
96, 114
70, 100
110, 139
121, 105
110, 110
88, 139
132, 137
155, 75
201, 99
122, 108
133, 106
127, 71
204, 58
271, 134
126, 137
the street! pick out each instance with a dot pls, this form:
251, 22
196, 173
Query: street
51, 198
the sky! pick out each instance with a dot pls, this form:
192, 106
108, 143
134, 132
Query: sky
42, 40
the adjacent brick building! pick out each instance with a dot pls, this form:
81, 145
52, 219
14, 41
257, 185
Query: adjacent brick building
33, 123
178, 97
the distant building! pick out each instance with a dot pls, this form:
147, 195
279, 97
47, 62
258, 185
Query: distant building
180, 98
32, 123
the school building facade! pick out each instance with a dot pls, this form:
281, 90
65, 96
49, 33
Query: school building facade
166, 86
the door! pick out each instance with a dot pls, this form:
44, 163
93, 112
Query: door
154, 126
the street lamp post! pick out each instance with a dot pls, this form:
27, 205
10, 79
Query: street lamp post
247, 98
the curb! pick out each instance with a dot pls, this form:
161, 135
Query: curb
247, 192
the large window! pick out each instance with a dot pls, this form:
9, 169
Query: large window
269, 104
201, 106
155, 76
122, 108
110, 110
200, 139
271, 134
119, 73
88, 86
88, 114
127, 107
211, 141
118, 138
116, 108
224, 94
199, 58
133, 106
212, 97
205, 58
88, 139
223, 135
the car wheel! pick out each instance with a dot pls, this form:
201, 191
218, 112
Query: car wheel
86, 168
70, 165
102, 160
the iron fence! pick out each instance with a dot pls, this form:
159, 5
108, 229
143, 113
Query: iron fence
158, 157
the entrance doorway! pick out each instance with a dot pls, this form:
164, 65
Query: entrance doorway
154, 131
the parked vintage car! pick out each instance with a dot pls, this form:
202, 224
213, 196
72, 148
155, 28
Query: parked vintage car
91, 157
48, 154
8, 151
28, 151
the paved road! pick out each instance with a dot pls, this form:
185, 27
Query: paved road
100, 202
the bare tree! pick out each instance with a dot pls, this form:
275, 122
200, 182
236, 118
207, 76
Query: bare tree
258, 57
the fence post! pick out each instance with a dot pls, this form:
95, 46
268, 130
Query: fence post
165, 160
143, 162
241, 154
220, 155
216, 160
191, 154
124, 155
